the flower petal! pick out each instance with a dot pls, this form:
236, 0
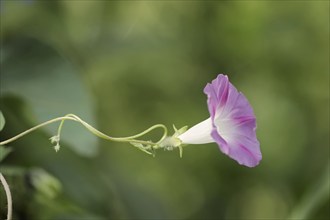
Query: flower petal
217, 93
233, 121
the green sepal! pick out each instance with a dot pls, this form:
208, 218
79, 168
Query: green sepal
177, 132
180, 151
141, 147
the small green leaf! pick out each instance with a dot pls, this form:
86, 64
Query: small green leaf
2, 121
4, 151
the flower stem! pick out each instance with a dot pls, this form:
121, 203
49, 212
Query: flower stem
118, 139
35, 128
72, 117
8, 195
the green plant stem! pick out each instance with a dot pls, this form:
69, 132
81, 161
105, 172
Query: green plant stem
118, 139
93, 130
8, 195
35, 128
72, 117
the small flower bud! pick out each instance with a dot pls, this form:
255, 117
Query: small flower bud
55, 140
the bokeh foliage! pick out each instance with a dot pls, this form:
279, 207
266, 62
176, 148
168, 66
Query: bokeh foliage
126, 65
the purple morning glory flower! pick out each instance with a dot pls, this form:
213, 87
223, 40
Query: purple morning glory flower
232, 124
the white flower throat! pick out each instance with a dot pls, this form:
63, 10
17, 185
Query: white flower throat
198, 134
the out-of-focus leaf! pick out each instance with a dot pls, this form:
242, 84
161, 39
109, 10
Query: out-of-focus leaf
51, 86
314, 198
46, 184
2, 121
13, 170
4, 151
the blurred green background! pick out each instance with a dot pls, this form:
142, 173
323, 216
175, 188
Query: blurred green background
126, 65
